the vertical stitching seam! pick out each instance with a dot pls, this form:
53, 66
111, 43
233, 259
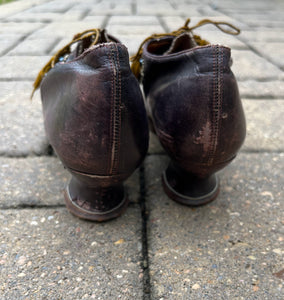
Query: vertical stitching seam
115, 113
216, 105
111, 111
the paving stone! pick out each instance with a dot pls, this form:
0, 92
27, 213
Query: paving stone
211, 10
21, 128
40, 181
173, 23
35, 181
139, 30
14, 28
12, 8
156, 8
229, 249
52, 6
32, 17
264, 125
34, 47
273, 51
261, 89
110, 8
247, 65
266, 19
8, 41
262, 35
192, 10
66, 29
21, 67
133, 20
49, 254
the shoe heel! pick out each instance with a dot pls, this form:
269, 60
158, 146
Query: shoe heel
187, 188
95, 199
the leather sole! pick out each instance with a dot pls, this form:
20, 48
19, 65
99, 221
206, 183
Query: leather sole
190, 200
92, 215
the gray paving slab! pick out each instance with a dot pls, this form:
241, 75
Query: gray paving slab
229, 249
40, 181
21, 67
34, 47
265, 131
133, 20
268, 19
12, 8
35, 181
156, 7
58, 6
261, 89
111, 8
14, 28
248, 65
44, 17
263, 34
21, 129
48, 254
140, 30
8, 41
274, 51
67, 29
175, 22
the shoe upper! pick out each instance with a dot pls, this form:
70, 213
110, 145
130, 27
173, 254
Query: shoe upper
193, 101
93, 110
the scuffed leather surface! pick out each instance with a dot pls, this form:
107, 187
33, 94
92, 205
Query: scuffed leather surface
80, 101
194, 103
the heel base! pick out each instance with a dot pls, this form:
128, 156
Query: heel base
189, 197
95, 203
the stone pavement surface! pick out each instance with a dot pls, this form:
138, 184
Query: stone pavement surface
229, 249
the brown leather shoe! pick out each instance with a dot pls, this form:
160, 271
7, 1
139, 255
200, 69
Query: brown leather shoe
95, 120
193, 102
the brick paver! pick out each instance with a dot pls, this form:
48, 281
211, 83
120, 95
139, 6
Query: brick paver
229, 249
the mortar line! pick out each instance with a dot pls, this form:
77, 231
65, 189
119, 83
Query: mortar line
163, 23
144, 217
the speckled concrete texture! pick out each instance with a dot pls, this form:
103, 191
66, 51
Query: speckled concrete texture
230, 249
48, 254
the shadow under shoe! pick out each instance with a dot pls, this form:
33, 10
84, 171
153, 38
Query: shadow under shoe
193, 102
95, 120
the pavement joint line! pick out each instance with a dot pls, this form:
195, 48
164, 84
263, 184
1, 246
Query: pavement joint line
134, 7
84, 14
19, 40
260, 54
25, 206
144, 217
31, 206
17, 79
163, 23
106, 21
53, 45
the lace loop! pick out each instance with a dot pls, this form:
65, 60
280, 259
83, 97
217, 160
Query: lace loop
135, 59
64, 51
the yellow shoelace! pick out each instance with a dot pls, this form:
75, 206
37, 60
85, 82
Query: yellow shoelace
62, 52
135, 59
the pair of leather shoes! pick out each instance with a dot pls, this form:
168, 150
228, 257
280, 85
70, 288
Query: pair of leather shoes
97, 121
